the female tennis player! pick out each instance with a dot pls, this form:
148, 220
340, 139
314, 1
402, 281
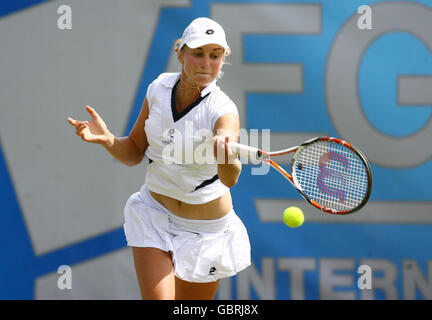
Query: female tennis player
184, 233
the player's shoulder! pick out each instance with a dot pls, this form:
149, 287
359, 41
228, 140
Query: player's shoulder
167, 79
161, 85
219, 97
220, 102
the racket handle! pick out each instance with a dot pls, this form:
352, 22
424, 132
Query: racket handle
245, 150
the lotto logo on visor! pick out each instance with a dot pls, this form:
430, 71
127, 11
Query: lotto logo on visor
203, 31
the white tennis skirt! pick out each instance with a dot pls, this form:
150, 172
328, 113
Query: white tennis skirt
202, 250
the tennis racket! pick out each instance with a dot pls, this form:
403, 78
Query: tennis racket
329, 173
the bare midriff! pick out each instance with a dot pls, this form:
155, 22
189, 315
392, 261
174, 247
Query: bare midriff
214, 209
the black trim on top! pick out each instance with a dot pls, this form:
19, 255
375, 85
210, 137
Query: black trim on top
207, 182
178, 115
203, 184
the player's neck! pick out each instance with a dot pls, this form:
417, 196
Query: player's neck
186, 93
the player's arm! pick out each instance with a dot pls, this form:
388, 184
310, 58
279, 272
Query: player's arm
226, 130
130, 149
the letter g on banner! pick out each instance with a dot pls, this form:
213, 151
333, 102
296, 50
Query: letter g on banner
342, 94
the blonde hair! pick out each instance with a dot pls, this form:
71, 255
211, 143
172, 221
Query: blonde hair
177, 45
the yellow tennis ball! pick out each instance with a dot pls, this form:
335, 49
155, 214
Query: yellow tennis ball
293, 217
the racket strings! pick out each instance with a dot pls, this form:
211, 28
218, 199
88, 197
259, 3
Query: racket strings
331, 174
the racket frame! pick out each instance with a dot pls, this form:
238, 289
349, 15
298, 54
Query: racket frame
266, 157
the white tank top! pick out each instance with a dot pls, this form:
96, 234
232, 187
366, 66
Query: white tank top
180, 166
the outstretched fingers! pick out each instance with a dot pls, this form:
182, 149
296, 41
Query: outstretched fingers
72, 121
91, 131
92, 112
